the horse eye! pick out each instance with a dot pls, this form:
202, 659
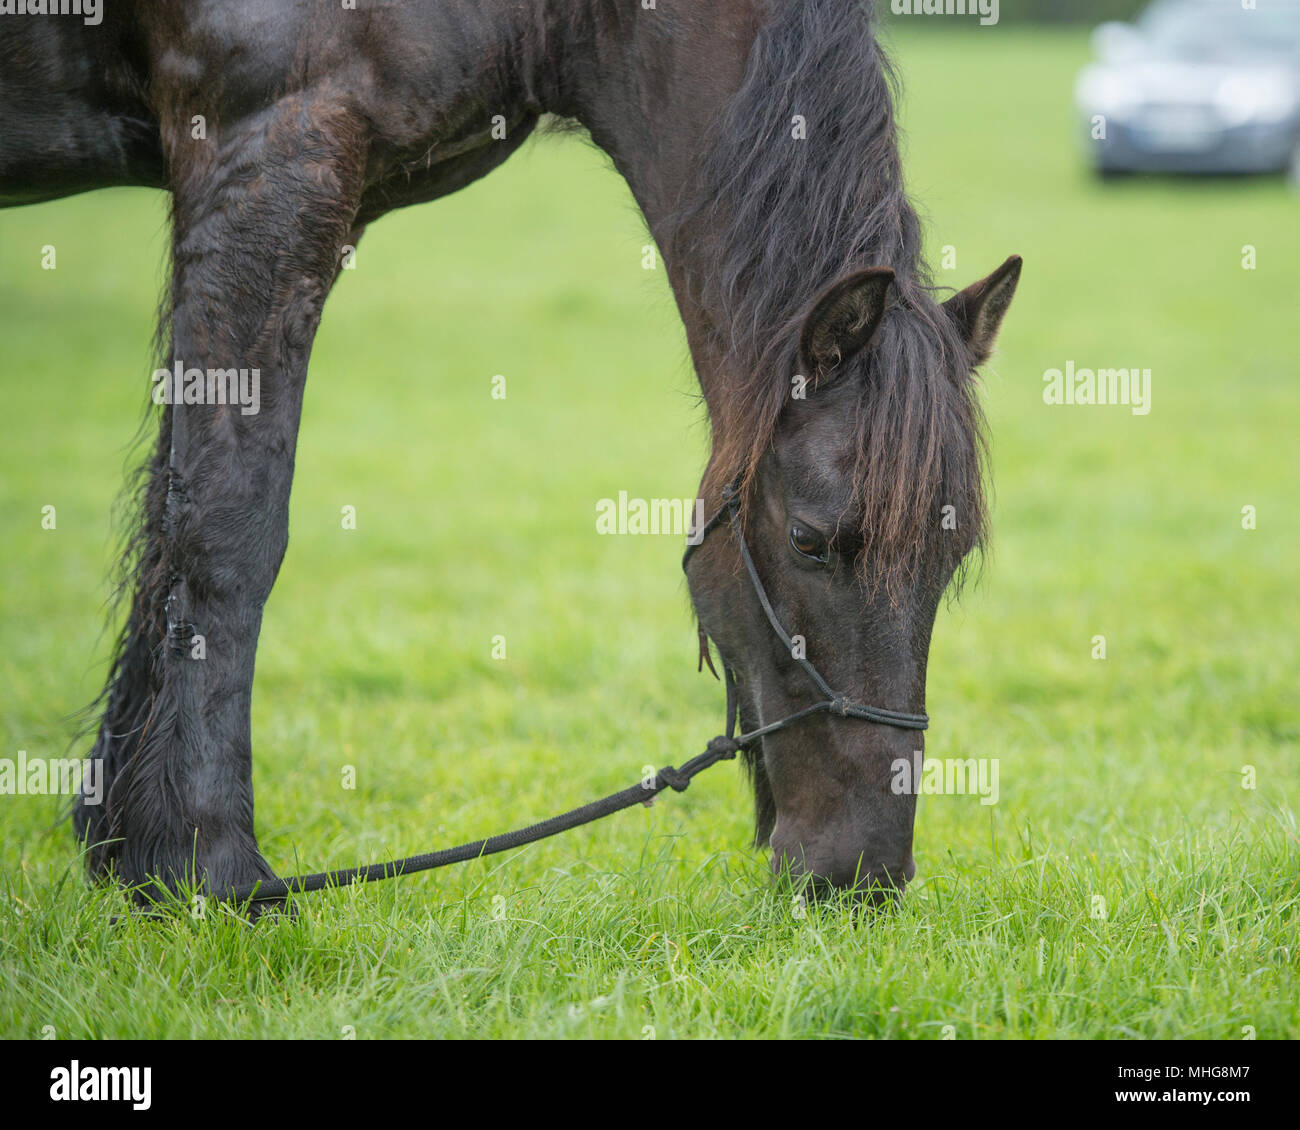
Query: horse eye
808, 543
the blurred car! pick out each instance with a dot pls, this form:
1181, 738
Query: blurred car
1196, 86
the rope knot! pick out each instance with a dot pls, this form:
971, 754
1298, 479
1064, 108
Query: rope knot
676, 780
723, 748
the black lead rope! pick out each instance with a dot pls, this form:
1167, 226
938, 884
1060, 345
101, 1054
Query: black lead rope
719, 749
722, 748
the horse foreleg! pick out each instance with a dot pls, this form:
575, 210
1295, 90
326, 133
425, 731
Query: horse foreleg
258, 241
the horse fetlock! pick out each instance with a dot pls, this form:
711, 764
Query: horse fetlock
190, 858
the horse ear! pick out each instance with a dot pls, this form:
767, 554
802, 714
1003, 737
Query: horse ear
844, 319
979, 309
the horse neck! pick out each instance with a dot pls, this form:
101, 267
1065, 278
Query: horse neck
648, 84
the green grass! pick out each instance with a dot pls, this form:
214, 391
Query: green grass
1121, 780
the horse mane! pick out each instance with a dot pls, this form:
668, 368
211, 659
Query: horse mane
769, 221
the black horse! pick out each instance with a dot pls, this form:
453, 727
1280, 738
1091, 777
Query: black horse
758, 138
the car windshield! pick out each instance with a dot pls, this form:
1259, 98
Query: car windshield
1186, 30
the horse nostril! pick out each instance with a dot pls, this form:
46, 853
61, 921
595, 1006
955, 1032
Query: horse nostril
825, 875
873, 891
882, 889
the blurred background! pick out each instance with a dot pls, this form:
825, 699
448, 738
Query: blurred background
1176, 86
1196, 86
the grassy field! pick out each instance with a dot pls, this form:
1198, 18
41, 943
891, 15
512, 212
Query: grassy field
1125, 885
